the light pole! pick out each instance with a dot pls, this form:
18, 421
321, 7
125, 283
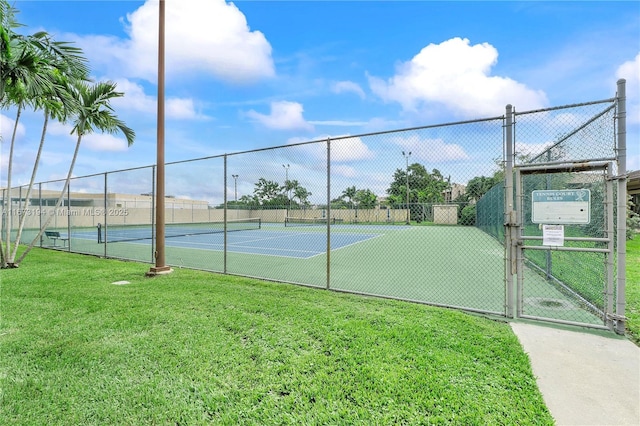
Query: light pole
159, 252
286, 181
235, 192
406, 157
235, 188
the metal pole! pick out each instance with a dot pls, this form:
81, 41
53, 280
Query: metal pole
622, 205
549, 268
152, 216
160, 266
610, 255
509, 214
235, 188
225, 217
39, 206
328, 213
235, 193
104, 202
406, 156
69, 216
286, 184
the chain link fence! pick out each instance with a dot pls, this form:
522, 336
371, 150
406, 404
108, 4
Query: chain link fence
415, 214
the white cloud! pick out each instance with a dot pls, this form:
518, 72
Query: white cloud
350, 149
56, 128
6, 129
181, 109
343, 150
338, 123
94, 141
104, 142
456, 75
344, 171
207, 36
431, 150
347, 87
630, 71
137, 100
284, 115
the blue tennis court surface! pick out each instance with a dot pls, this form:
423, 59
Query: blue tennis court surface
300, 245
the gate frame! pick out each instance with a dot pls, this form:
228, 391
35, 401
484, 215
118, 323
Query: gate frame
615, 239
520, 239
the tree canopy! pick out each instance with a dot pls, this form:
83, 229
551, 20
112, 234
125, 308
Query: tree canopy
424, 187
41, 73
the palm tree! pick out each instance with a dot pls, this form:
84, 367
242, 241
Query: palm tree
289, 185
93, 112
21, 79
66, 64
350, 193
302, 194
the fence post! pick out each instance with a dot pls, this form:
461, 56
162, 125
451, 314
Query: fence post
153, 210
224, 219
69, 216
328, 213
621, 130
105, 227
610, 256
509, 238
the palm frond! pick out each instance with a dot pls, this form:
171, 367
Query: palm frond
95, 112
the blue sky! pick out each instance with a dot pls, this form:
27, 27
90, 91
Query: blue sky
253, 74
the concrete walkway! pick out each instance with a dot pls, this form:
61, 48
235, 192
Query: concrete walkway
586, 378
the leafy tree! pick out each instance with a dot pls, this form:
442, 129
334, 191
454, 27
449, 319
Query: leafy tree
249, 200
478, 186
365, 198
340, 203
424, 187
468, 215
269, 193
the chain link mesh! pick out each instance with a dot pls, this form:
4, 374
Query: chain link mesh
415, 214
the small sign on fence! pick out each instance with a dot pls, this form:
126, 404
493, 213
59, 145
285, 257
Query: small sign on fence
553, 235
561, 207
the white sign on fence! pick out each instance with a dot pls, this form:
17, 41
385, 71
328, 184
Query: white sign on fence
569, 206
553, 235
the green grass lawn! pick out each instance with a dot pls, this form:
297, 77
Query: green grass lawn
633, 288
198, 348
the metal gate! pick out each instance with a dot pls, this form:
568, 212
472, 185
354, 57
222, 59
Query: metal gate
566, 224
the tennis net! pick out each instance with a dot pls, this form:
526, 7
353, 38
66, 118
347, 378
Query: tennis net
307, 221
120, 233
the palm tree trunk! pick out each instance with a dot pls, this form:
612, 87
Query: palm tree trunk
64, 190
9, 210
33, 178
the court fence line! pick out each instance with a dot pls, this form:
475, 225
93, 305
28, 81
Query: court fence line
447, 180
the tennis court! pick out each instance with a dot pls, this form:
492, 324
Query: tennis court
255, 238
455, 266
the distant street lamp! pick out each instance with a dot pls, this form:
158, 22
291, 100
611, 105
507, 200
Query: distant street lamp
235, 188
286, 182
406, 157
